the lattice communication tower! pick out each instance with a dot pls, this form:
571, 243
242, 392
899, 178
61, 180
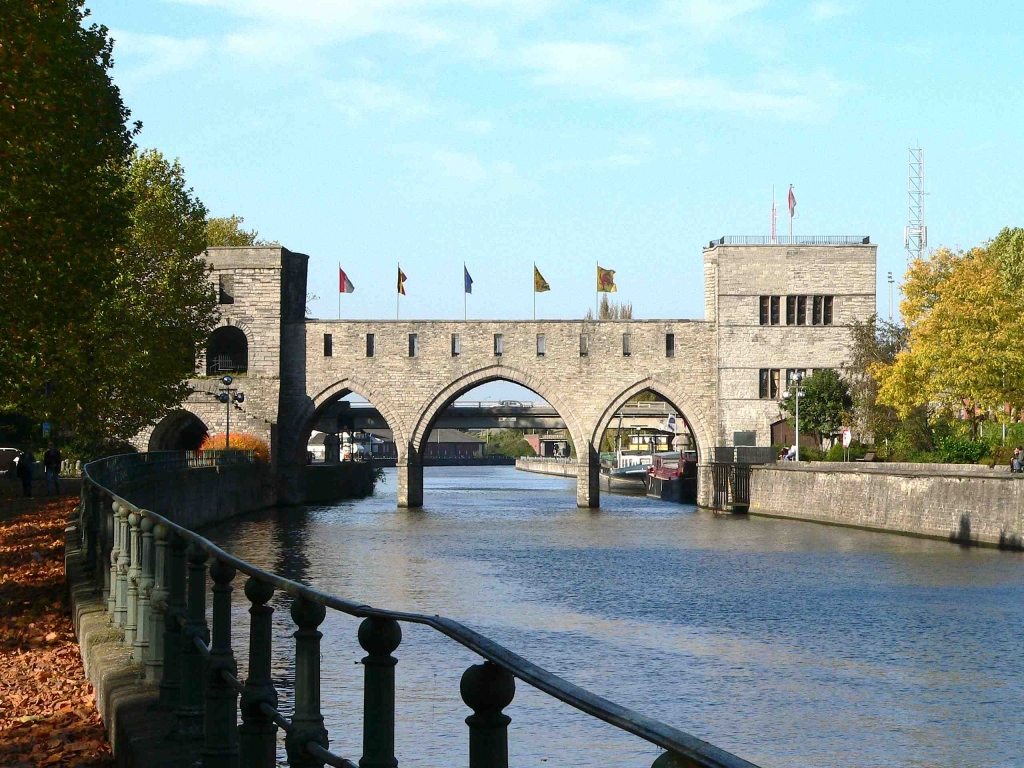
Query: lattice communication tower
915, 235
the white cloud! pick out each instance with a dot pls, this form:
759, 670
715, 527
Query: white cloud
359, 98
459, 166
829, 9
151, 56
478, 127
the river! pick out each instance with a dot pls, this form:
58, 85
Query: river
791, 644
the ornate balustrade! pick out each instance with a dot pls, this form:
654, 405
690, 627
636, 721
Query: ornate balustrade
153, 575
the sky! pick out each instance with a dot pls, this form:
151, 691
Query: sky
500, 133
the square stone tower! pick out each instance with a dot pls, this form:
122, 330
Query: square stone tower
780, 309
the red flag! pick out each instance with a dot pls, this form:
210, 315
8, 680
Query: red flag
792, 202
344, 284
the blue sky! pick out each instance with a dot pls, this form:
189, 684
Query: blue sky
503, 132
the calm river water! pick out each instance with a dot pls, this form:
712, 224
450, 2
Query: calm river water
790, 644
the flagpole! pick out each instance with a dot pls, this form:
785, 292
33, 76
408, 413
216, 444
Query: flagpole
398, 293
534, 290
597, 286
465, 296
339, 291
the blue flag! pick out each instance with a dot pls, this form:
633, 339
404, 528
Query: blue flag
469, 280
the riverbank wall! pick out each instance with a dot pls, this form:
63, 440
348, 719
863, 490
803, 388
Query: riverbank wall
331, 482
542, 466
963, 503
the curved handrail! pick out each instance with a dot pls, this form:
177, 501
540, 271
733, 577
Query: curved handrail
697, 751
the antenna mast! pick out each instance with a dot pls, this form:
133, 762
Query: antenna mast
915, 236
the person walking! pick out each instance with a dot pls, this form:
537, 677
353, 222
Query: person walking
51, 467
26, 465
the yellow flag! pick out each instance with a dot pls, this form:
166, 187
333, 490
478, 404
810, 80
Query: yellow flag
401, 281
606, 280
540, 285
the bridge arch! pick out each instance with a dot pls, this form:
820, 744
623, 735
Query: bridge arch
676, 396
179, 430
336, 391
411, 475
441, 400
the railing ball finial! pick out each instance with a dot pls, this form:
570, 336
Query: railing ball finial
487, 689
379, 636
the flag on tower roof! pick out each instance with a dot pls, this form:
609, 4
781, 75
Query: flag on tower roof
401, 281
344, 284
606, 280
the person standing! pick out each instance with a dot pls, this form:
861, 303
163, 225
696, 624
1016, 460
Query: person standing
26, 465
51, 466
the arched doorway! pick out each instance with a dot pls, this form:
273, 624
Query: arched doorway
178, 431
227, 352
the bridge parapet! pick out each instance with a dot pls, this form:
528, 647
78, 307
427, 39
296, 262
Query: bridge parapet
162, 592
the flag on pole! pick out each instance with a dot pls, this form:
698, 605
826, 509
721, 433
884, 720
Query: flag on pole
344, 284
792, 202
468, 279
606, 280
401, 281
540, 285
670, 425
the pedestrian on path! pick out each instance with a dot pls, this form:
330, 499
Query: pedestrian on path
51, 466
26, 465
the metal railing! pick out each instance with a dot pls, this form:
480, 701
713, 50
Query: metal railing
791, 240
153, 576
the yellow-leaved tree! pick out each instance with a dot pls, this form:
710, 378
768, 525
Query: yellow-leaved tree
963, 312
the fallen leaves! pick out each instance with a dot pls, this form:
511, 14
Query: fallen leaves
47, 711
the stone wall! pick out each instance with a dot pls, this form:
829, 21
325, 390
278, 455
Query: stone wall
546, 466
944, 501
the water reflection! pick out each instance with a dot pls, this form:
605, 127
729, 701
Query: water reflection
791, 644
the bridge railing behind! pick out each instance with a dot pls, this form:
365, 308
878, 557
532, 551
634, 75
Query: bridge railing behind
153, 576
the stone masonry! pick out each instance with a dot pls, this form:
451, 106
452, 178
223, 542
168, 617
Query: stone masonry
710, 376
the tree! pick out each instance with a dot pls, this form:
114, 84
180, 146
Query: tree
160, 313
875, 342
612, 310
825, 405
963, 350
63, 203
507, 442
227, 230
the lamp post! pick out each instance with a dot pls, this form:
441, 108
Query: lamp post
796, 393
228, 396
890, 297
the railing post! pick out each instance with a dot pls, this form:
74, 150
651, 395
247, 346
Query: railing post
158, 606
123, 560
258, 733
115, 552
220, 734
170, 682
308, 722
190, 705
379, 637
487, 689
131, 623
143, 636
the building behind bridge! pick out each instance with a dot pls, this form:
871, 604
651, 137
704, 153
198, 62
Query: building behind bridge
771, 310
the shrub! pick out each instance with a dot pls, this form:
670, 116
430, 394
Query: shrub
954, 449
241, 441
857, 451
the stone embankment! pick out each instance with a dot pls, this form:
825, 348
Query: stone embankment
964, 503
547, 466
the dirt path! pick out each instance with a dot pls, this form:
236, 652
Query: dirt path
47, 712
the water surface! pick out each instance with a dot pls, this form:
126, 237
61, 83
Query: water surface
790, 644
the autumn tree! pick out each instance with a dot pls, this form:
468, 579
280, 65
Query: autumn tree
227, 230
962, 311
64, 142
160, 313
874, 342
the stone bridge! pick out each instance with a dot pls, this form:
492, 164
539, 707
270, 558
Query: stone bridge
770, 309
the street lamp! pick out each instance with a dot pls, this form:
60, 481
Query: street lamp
228, 396
890, 297
797, 392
